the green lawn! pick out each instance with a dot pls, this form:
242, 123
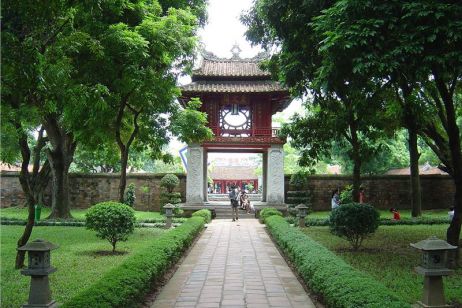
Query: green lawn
81, 259
387, 214
78, 214
388, 257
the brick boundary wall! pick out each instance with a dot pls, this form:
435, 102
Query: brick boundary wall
381, 191
384, 191
89, 189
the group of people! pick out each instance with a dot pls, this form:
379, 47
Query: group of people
335, 202
238, 199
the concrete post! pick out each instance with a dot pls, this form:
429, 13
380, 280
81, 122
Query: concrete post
195, 175
275, 175
264, 176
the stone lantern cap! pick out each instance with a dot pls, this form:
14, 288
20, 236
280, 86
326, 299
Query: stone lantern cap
433, 243
168, 206
302, 207
38, 245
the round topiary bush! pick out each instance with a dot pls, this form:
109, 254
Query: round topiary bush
354, 222
169, 182
267, 212
112, 221
299, 180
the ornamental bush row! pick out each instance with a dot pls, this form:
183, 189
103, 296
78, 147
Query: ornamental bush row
127, 284
339, 284
204, 213
383, 221
267, 212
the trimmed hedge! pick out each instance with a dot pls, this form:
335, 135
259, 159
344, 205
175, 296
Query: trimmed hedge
127, 284
383, 221
268, 212
325, 273
204, 213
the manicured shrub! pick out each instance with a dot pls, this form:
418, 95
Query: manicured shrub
112, 221
299, 179
354, 222
267, 212
339, 284
169, 182
130, 195
127, 284
204, 213
346, 195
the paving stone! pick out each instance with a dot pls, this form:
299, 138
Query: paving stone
233, 265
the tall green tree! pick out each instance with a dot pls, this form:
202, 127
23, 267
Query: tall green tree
343, 101
143, 52
417, 47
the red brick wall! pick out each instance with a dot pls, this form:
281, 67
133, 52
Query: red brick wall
381, 191
89, 189
385, 191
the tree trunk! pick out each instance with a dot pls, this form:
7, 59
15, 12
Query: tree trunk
414, 155
453, 232
60, 157
356, 163
123, 174
32, 185
60, 185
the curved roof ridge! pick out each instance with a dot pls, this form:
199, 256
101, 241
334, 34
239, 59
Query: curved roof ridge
210, 56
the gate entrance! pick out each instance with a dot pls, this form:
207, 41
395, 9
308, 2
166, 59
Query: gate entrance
239, 99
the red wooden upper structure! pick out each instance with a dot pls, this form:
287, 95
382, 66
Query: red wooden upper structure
239, 99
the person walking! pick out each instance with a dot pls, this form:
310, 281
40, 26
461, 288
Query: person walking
335, 201
233, 197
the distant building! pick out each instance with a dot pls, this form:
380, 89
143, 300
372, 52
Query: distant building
424, 169
226, 172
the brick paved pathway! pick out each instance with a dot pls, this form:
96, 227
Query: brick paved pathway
233, 265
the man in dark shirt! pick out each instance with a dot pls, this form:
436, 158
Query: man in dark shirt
233, 197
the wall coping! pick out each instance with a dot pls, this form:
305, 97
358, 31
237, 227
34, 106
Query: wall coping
183, 175
103, 175
371, 177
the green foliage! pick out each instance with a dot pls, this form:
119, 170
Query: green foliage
346, 195
204, 213
299, 180
130, 195
389, 259
267, 212
354, 222
173, 198
112, 221
169, 182
294, 198
127, 284
339, 284
190, 125
81, 259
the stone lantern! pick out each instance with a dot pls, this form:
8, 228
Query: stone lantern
39, 268
433, 267
168, 213
302, 212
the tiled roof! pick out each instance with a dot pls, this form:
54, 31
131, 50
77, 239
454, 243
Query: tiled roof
233, 173
254, 86
422, 171
212, 66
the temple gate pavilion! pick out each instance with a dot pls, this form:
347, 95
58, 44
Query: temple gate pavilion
239, 99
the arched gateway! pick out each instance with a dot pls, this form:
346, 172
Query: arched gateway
239, 99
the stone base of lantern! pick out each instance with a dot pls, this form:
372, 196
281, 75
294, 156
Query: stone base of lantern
433, 293
51, 304
40, 294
